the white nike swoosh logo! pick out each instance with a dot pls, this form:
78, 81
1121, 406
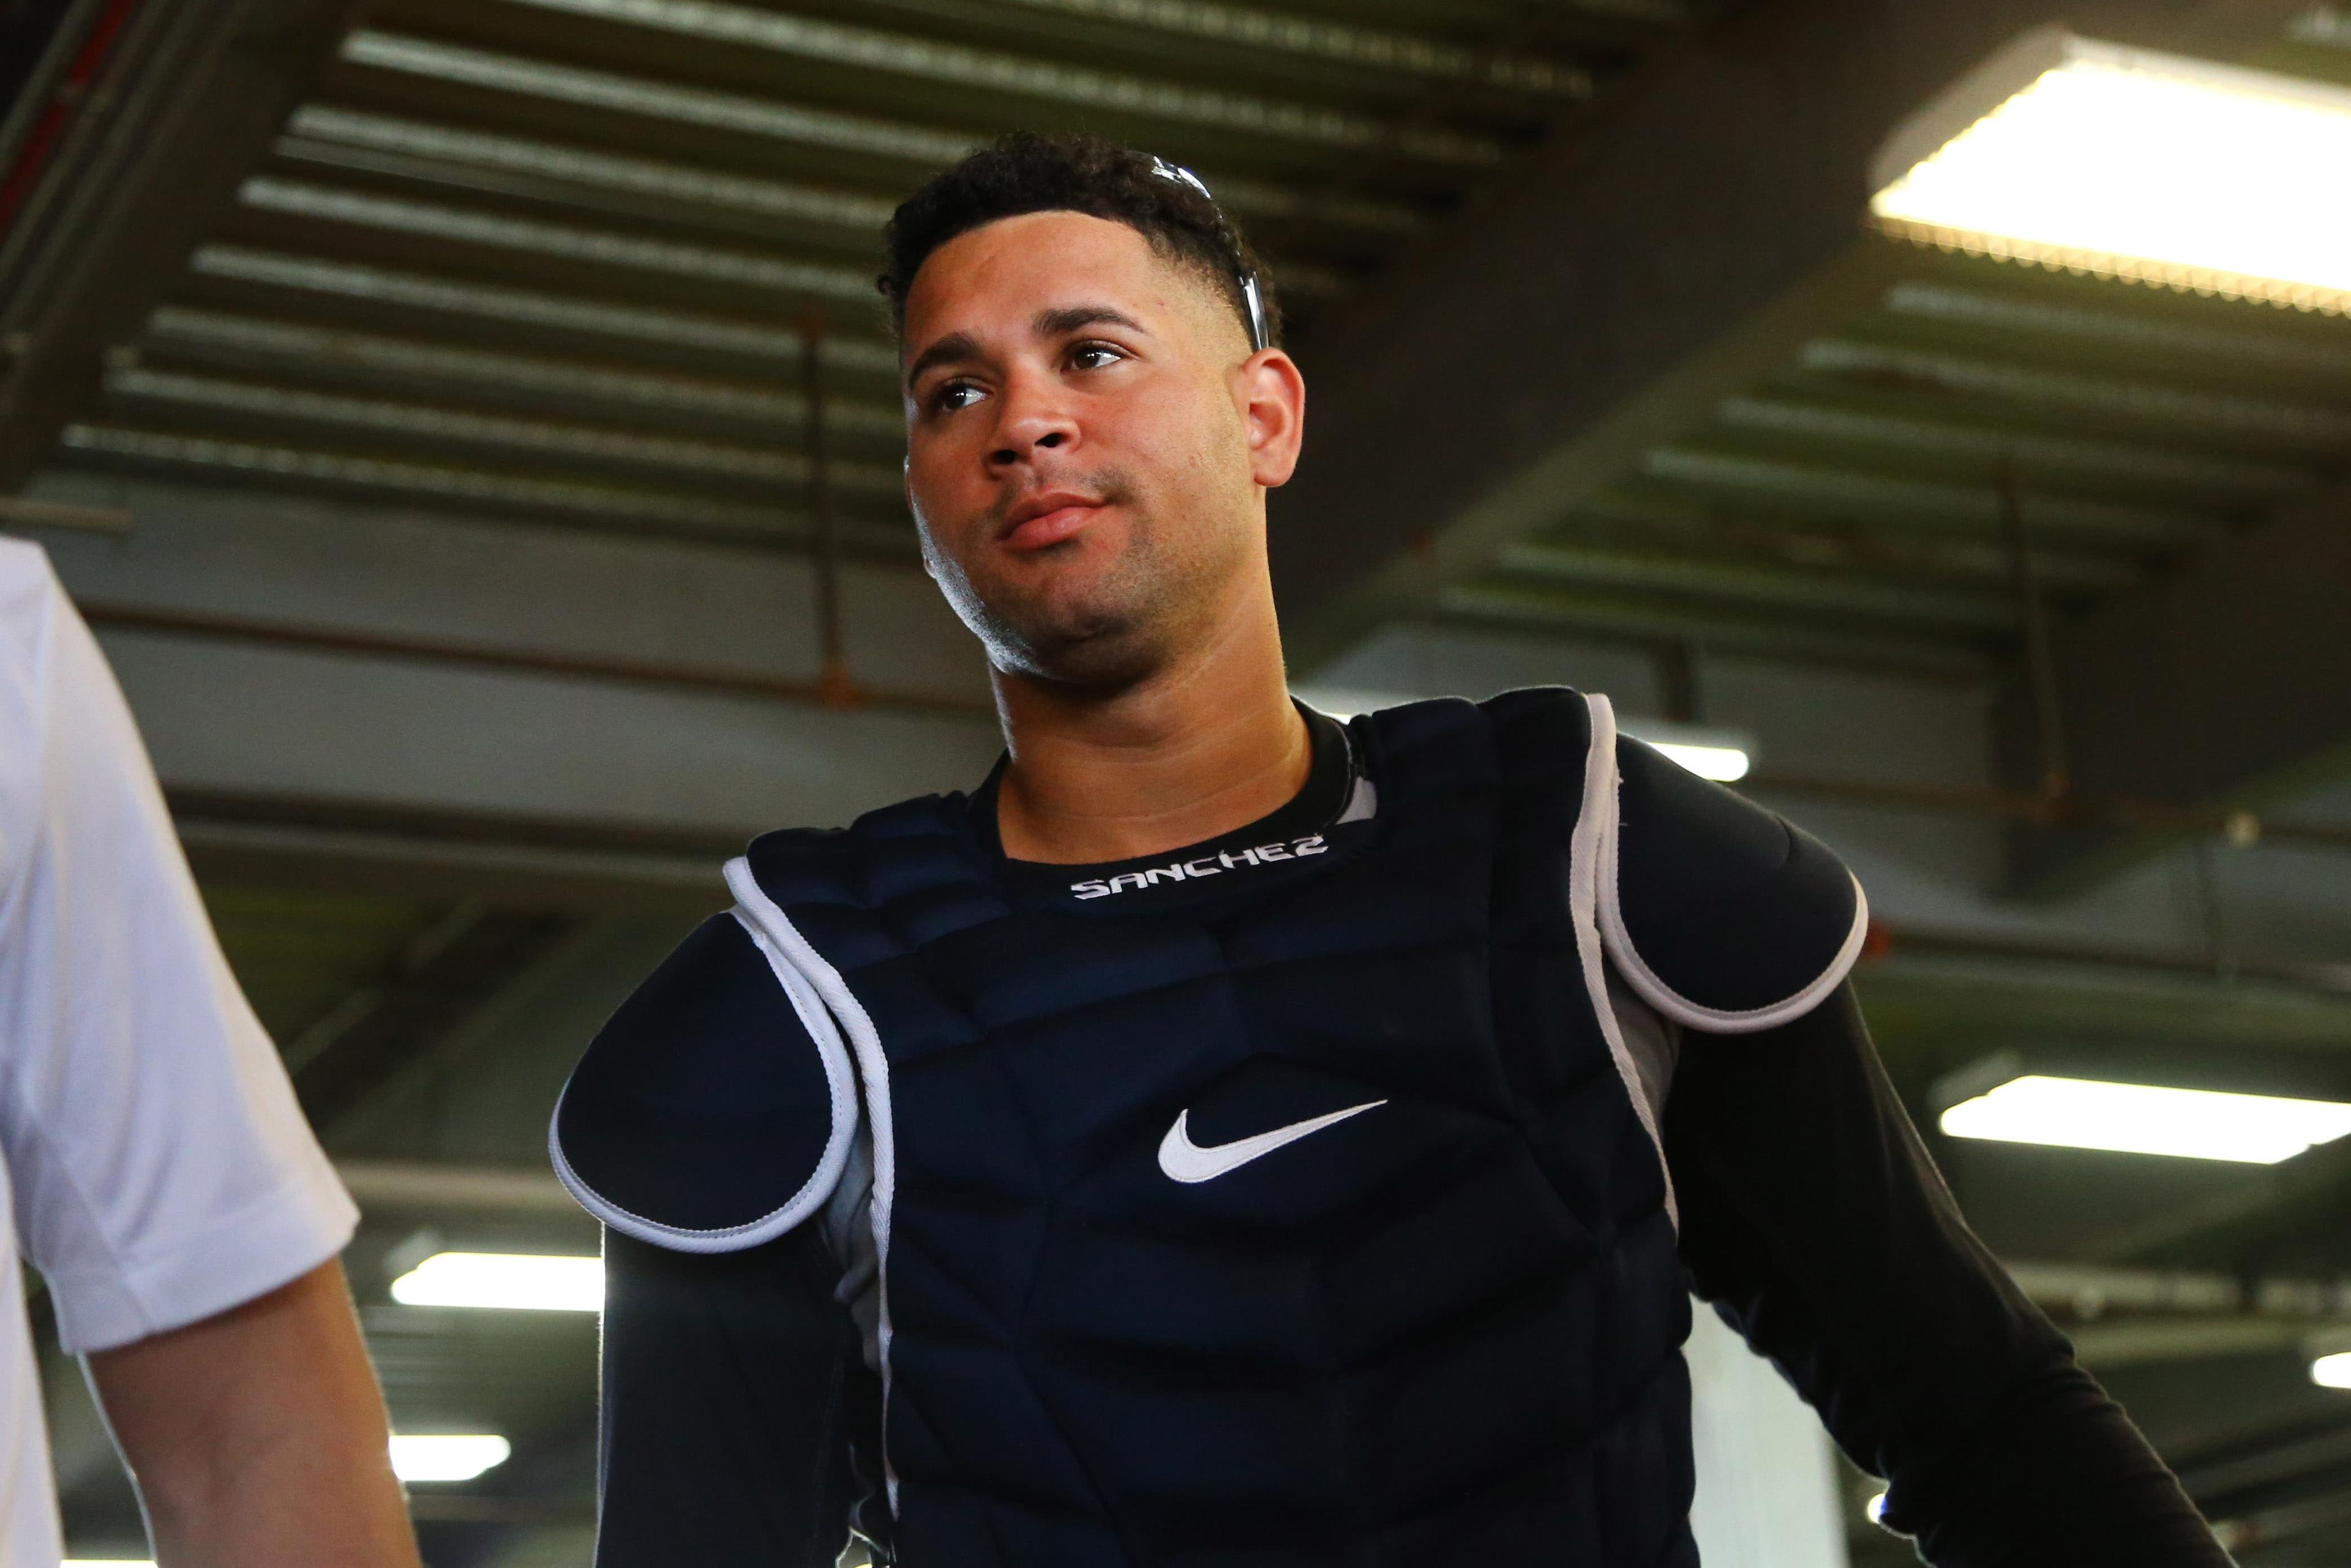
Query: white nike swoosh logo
1186, 1161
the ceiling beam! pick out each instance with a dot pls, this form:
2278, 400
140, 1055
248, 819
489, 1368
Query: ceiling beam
621, 508
546, 170
437, 428
1639, 272
1259, 37
1065, 86
1792, 636
2225, 683
226, 340
200, 89
922, 147
560, 319
1700, 578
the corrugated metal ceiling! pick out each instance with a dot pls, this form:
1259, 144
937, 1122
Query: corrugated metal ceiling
555, 258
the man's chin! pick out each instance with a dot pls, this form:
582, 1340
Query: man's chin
1097, 653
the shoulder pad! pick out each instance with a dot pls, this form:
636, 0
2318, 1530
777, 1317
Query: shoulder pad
715, 1111
1720, 914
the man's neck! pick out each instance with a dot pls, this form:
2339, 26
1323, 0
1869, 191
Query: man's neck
1206, 746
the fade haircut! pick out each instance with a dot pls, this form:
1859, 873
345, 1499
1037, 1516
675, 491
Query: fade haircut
1026, 171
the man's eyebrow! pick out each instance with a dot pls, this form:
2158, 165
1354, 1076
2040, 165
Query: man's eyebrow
1062, 321
947, 350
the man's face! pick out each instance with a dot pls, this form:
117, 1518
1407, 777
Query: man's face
1085, 449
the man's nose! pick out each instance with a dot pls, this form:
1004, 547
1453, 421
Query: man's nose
1033, 419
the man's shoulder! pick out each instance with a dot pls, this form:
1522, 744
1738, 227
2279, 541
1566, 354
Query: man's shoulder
29, 602
29, 596
927, 836
707, 1114
1721, 912
24, 563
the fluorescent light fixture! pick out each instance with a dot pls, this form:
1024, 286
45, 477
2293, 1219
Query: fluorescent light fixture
2332, 1370
2145, 1119
1343, 703
1710, 753
447, 1456
512, 1279
1721, 755
2125, 162
1724, 764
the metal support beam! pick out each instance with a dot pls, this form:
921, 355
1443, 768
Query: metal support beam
695, 264
564, 317
619, 508
1647, 518
1544, 608
2225, 685
283, 349
694, 465
1075, 87
1745, 582
1319, 39
202, 103
2147, 410
323, 133
921, 146
1641, 272
1961, 447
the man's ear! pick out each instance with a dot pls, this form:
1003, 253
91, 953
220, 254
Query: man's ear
1273, 396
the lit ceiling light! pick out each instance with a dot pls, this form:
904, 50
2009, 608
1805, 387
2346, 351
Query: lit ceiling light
513, 1280
1876, 1508
447, 1456
2125, 162
1724, 764
2144, 1119
2332, 1370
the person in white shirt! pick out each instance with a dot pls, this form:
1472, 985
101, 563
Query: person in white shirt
156, 1167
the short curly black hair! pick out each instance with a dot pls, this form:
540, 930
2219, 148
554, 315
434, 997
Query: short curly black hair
1028, 172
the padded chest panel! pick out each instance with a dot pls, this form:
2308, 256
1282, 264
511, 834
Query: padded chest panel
1447, 1322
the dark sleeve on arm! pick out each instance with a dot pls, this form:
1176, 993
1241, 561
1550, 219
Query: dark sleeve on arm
733, 1394
1814, 1221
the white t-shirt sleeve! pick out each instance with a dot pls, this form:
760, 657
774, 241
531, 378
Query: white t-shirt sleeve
162, 1170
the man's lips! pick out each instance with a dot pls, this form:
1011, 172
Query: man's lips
1047, 520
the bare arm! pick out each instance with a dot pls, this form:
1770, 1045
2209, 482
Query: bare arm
259, 1437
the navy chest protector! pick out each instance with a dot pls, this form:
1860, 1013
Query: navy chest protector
1312, 1219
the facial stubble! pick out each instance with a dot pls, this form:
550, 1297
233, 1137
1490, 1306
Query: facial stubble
1108, 631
